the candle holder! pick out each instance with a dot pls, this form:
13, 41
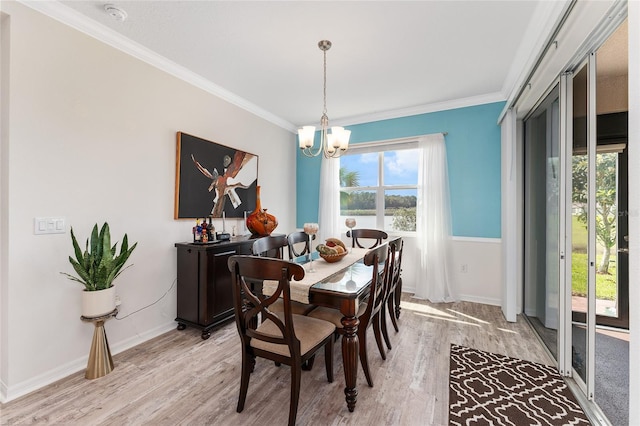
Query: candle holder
311, 229
350, 223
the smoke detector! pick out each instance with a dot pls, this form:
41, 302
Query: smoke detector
115, 12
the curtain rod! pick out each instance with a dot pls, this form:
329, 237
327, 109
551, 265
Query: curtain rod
397, 141
551, 41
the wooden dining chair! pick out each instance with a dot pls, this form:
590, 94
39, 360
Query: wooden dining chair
374, 237
295, 240
368, 313
282, 337
391, 288
273, 246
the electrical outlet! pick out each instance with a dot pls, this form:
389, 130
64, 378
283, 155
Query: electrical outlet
463, 268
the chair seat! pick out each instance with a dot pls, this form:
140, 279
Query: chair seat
334, 316
310, 332
296, 307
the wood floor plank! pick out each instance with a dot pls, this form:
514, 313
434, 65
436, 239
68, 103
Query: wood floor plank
180, 379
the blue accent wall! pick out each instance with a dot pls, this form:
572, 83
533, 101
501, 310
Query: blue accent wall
473, 159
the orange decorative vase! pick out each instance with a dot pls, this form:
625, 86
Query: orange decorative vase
261, 223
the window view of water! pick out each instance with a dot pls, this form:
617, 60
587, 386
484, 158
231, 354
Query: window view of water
379, 188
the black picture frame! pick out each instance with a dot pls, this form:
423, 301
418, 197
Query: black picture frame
212, 178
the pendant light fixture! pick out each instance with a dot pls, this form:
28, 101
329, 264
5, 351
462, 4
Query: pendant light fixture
333, 144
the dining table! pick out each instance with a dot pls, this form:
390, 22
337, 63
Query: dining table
342, 285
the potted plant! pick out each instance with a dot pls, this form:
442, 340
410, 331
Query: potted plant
97, 267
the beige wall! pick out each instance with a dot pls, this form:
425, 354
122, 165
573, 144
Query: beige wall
89, 134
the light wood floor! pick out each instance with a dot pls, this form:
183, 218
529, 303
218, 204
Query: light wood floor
180, 379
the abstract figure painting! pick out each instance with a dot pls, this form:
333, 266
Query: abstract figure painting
212, 179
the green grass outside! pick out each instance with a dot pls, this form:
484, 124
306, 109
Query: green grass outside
606, 285
578, 235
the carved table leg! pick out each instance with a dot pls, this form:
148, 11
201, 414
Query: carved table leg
350, 358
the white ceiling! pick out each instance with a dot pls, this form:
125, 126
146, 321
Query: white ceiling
389, 58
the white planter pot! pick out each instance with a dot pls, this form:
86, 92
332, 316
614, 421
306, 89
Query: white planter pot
98, 303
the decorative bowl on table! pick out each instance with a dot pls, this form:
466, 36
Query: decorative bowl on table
333, 250
331, 258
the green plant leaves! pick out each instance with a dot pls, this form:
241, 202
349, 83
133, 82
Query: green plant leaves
99, 265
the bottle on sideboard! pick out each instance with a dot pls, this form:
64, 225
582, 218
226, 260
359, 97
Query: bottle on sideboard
205, 232
198, 235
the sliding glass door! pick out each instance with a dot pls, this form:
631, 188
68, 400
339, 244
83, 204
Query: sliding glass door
580, 221
576, 290
599, 196
542, 219
608, 164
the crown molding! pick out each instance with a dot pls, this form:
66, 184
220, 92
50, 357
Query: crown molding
68, 16
421, 109
73, 19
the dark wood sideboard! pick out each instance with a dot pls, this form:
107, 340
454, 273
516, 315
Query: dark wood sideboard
205, 294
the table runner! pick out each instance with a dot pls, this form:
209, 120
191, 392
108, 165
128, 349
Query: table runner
324, 270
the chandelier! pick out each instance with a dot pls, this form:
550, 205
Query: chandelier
333, 144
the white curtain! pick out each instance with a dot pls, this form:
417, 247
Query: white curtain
329, 200
433, 223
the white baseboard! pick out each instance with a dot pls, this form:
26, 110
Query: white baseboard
464, 297
478, 299
9, 393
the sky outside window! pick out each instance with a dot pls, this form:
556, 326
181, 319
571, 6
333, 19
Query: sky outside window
400, 167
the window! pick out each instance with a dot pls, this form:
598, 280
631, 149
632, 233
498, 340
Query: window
379, 186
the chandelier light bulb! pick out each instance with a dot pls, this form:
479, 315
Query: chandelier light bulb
305, 136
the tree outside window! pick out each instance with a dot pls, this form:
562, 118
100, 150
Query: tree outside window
379, 188
606, 201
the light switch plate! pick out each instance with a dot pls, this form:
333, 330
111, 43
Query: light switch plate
49, 225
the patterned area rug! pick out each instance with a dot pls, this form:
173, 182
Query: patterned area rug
491, 389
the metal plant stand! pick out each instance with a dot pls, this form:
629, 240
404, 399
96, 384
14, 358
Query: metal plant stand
100, 362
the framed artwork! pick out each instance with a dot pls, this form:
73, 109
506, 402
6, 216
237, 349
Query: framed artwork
212, 179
